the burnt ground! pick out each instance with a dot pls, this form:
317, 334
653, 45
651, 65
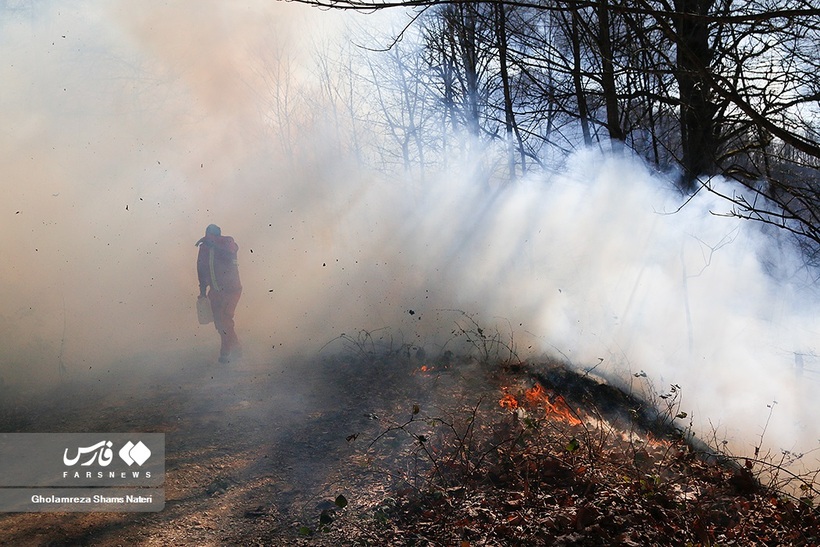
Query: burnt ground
401, 450
254, 451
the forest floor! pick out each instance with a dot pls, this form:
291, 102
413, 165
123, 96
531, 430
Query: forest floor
403, 450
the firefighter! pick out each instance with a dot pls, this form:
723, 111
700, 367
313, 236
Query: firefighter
218, 273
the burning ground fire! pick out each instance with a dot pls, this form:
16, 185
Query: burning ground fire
555, 407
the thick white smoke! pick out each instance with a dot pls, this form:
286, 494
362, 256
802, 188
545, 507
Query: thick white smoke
601, 266
126, 132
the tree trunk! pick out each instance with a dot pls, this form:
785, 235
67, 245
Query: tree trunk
694, 55
469, 53
580, 97
610, 90
515, 144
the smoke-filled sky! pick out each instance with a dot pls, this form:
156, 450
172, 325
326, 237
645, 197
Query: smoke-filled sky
128, 127
126, 131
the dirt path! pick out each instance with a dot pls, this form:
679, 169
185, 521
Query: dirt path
254, 451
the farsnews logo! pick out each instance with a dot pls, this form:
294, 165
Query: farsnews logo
135, 453
101, 452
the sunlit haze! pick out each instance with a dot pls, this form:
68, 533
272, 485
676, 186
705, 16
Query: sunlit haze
126, 131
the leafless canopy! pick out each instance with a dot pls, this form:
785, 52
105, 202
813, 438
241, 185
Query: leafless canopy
705, 87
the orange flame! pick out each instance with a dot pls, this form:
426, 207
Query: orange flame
559, 407
556, 407
536, 394
508, 401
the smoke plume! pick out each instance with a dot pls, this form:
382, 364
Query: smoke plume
127, 131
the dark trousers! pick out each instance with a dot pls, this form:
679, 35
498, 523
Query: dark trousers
223, 305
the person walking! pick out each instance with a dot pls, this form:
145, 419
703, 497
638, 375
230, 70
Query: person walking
218, 272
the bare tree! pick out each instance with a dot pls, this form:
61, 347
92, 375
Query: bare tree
724, 87
512, 133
